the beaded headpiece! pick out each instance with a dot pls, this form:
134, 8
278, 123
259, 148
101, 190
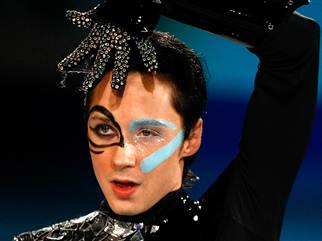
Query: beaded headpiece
117, 26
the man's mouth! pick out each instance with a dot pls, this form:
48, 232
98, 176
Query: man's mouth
124, 183
124, 188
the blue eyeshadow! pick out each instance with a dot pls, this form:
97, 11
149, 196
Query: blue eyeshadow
139, 123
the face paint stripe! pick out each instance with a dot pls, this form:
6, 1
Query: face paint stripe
95, 152
151, 122
102, 146
155, 159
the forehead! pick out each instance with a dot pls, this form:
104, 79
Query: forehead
144, 95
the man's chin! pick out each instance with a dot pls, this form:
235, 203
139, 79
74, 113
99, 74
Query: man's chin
126, 208
127, 211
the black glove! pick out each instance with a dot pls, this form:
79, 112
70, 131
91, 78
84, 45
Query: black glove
249, 21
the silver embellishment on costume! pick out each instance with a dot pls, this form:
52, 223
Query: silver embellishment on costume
138, 226
105, 40
82, 219
154, 228
270, 26
137, 237
92, 227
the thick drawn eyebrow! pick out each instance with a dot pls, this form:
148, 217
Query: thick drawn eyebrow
150, 122
101, 109
98, 117
110, 117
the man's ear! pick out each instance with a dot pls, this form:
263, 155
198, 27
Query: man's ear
192, 144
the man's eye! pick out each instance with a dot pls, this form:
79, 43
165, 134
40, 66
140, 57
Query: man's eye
104, 130
148, 133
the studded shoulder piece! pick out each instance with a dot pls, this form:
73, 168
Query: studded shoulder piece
92, 227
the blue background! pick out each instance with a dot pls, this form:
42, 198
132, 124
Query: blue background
48, 177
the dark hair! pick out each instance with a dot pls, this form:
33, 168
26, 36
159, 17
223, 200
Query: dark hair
183, 69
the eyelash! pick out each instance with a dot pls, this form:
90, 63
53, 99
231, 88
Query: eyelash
153, 132
97, 129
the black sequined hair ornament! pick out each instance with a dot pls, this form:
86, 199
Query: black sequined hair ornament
117, 26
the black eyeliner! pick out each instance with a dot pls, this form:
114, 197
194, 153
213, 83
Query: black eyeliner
109, 115
95, 130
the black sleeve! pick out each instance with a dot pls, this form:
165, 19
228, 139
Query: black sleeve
247, 201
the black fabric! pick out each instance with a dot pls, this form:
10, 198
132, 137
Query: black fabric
248, 21
152, 216
138, 17
247, 201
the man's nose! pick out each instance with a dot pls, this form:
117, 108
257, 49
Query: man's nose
124, 157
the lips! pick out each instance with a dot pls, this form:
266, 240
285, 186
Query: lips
124, 188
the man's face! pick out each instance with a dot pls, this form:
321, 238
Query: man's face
136, 142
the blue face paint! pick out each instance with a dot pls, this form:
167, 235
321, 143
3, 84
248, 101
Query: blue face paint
161, 155
137, 124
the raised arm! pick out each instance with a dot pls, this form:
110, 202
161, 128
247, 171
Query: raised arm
249, 198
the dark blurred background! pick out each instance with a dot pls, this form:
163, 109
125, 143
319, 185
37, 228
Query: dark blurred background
46, 173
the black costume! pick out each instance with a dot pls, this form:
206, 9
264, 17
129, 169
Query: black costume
248, 200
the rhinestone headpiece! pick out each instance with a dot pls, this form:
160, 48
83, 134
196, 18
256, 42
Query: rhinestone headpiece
110, 41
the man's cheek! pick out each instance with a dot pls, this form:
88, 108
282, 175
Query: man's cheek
155, 159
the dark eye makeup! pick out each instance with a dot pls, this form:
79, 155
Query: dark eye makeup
105, 130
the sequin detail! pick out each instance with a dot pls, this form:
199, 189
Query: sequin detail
99, 225
104, 42
94, 226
